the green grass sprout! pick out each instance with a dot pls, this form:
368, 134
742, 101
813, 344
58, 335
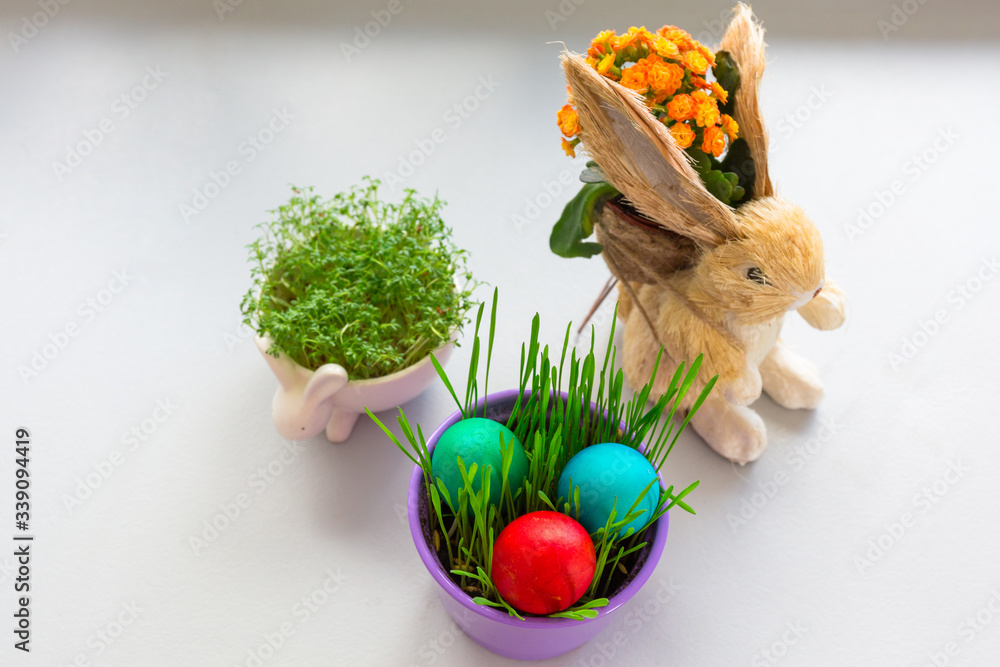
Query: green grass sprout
553, 419
370, 285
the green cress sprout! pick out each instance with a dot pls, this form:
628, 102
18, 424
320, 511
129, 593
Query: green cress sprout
552, 430
356, 281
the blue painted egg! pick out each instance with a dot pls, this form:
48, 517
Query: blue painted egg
607, 472
477, 440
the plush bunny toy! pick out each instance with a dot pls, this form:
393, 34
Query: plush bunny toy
697, 276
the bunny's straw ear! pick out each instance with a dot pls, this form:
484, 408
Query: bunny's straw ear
640, 158
744, 40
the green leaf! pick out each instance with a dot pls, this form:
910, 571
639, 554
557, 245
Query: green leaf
679, 498
718, 185
486, 603
391, 436
728, 75
545, 499
702, 162
577, 221
739, 161
447, 382
489, 346
575, 615
443, 492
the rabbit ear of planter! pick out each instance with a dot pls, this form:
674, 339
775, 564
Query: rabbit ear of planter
326, 381
302, 405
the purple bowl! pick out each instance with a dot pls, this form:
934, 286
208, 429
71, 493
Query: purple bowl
534, 638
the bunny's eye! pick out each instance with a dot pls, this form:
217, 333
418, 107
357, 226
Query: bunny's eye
756, 275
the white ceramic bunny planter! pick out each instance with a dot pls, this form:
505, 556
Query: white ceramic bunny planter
308, 401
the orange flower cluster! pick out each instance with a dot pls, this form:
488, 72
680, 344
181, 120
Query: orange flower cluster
668, 69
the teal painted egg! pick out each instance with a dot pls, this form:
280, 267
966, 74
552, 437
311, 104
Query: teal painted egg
477, 440
607, 472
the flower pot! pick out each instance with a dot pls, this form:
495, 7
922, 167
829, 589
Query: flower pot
534, 638
308, 401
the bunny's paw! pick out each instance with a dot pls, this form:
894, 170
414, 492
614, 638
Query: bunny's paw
733, 431
743, 388
792, 381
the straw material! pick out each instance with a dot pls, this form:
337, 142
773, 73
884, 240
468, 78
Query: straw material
641, 159
744, 40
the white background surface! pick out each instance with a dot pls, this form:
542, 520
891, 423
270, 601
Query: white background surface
865, 106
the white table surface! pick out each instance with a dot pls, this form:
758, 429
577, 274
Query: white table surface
172, 336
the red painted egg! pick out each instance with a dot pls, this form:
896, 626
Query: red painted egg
543, 562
